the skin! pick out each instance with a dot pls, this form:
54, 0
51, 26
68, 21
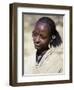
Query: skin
41, 37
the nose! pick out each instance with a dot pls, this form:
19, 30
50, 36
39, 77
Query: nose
37, 40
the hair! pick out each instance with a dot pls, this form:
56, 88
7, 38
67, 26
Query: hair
55, 37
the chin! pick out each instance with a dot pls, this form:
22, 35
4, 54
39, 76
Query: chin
38, 48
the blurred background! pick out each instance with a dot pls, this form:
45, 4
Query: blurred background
29, 21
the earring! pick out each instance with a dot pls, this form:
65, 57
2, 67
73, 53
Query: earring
53, 37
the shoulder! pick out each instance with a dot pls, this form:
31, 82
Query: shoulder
56, 60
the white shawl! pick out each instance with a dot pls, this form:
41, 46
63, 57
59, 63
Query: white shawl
51, 62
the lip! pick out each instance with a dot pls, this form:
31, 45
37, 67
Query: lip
37, 47
36, 44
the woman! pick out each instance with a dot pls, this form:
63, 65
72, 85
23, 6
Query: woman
45, 38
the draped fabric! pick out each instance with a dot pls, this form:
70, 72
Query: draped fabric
51, 62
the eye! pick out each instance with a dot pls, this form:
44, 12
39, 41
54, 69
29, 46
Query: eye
43, 36
34, 33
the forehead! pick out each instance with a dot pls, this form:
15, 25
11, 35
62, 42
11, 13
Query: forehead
41, 26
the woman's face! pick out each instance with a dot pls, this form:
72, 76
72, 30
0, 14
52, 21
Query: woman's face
41, 36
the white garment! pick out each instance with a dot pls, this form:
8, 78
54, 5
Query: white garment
51, 62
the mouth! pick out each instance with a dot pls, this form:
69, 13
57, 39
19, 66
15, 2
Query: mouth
37, 46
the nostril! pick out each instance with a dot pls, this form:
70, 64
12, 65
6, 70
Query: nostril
37, 40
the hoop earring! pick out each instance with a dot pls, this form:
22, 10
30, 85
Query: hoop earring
53, 37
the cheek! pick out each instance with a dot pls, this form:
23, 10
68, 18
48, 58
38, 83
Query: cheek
45, 41
34, 38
